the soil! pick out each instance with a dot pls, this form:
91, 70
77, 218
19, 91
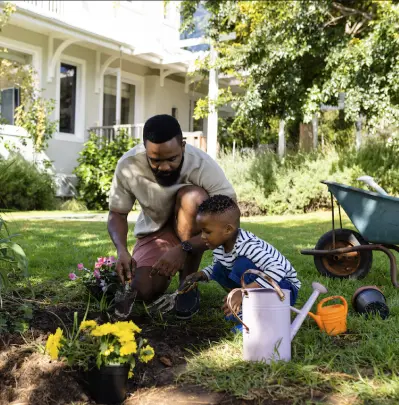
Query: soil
29, 378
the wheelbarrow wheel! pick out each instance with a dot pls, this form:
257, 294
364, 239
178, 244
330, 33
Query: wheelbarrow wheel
355, 265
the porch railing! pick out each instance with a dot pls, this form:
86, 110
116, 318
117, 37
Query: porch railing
53, 6
109, 133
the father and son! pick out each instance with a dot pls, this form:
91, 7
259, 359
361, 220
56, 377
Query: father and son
188, 206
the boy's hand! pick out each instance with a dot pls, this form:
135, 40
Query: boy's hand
236, 302
193, 278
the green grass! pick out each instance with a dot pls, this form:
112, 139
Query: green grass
360, 367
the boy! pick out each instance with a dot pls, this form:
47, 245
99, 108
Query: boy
236, 250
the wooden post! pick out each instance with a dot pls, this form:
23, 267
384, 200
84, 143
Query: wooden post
213, 113
315, 127
281, 139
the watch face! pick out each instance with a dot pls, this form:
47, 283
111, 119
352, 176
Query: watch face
186, 246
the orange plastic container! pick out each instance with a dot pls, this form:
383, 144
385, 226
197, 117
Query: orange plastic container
331, 318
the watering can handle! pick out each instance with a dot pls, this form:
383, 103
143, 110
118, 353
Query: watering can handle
324, 300
266, 278
228, 302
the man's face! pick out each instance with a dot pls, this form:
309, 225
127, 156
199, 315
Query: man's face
166, 160
214, 233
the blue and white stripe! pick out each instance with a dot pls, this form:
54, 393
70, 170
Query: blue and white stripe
265, 257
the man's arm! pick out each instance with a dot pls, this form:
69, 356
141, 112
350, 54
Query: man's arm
118, 229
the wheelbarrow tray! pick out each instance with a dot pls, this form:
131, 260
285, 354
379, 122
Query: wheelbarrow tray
375, 216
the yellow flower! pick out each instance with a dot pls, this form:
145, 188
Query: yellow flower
107, 353
88, 324
111, 349
128, 348
53, 344
102, 330
146, 354
130, 375
128, 326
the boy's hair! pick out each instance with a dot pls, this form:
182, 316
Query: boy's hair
219, 204
162, 128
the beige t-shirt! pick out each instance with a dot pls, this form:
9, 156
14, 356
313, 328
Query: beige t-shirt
133, 179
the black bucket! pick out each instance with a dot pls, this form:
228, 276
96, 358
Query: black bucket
107, 385
370, 301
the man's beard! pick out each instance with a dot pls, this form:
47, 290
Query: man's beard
167, 179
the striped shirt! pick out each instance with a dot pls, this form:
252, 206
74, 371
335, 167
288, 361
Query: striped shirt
264, 256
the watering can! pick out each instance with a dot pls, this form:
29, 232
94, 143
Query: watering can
266, 313
331, 318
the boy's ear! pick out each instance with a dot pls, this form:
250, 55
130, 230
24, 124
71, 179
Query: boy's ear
229, 228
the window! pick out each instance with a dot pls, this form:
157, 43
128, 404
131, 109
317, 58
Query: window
9, 101
128, 94
67, 116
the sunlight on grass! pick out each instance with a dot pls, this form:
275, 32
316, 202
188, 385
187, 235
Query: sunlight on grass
356, 367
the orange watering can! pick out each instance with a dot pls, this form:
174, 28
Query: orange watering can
331, 318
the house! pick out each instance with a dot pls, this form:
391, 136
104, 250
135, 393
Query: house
107, 65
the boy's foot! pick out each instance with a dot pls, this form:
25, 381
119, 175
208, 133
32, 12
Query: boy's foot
238, 327
187, 305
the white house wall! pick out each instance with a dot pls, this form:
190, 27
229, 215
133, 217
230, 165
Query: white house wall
64, 149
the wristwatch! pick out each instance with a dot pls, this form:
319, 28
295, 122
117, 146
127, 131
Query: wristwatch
187, 247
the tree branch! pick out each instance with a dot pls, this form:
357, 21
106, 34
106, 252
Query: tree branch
349, 10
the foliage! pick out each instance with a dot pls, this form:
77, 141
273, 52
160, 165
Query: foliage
291, 56
15, 314
107, 344
72, 205
34, 111
97, 163
101, 280
378, 159
24, 186
34, 117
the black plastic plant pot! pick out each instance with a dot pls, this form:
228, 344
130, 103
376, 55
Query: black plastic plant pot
370, 300
107, 385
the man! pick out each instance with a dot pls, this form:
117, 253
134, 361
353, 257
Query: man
170, 180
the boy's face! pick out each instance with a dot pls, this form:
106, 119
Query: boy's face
214, 232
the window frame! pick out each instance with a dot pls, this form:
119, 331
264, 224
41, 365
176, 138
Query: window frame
80, 104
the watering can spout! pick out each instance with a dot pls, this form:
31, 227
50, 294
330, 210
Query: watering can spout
317, 290
317, 319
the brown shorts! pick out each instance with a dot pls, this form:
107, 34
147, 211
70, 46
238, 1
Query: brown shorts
151, 247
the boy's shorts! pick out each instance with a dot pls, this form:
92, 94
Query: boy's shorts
232, 278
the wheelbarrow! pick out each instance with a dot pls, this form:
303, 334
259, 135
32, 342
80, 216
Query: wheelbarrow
344, 253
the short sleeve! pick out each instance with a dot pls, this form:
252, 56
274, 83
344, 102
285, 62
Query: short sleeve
121, 199
214, 181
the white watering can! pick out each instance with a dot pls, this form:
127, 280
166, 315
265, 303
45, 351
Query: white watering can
267, 329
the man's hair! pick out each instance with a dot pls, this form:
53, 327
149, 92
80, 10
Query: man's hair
219, 204
162, 128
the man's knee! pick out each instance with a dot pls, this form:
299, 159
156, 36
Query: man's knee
148, 288
189, 198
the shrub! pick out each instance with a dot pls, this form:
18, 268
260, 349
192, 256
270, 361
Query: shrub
97, 163
72, 205
24, 186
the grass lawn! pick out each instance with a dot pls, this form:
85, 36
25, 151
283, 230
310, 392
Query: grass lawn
358, 367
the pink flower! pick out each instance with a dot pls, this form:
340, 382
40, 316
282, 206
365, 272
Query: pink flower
98, 265
96, 274
80, 266
111, 260
72, 276
101, 259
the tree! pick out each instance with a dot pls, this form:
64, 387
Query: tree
33, 112
296, 55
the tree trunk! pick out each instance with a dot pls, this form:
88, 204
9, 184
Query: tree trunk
358, 127
315, 128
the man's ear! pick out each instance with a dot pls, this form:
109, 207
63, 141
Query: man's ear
183, 145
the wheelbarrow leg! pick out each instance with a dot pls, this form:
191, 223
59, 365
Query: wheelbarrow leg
392, 261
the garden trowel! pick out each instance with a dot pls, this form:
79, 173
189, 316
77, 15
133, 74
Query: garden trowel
124, 300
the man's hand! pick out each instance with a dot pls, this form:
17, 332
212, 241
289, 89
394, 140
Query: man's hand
236, 302
125, 266
170, 262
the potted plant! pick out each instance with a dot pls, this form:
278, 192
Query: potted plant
107, 353
101, 281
